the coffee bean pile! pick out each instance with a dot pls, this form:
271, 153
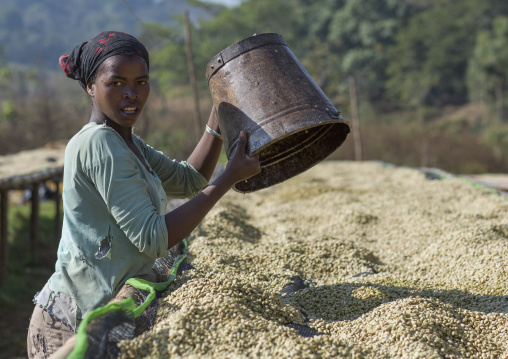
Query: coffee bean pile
393, 265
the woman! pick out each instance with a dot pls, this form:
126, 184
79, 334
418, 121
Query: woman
115, 188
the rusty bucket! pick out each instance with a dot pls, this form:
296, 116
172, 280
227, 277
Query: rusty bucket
259, 86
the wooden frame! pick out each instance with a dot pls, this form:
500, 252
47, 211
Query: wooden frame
31, 181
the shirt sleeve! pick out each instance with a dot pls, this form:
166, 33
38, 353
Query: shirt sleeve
179, 179
111, 166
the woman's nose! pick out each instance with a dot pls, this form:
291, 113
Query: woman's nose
130, 92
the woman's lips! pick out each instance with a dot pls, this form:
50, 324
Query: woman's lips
129, 110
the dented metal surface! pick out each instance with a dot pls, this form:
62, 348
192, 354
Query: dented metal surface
259, 86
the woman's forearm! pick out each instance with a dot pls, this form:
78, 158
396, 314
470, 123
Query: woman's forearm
183, 220
206, 154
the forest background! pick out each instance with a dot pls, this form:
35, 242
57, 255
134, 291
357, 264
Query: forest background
431, 75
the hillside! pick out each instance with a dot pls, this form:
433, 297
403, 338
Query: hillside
38, 32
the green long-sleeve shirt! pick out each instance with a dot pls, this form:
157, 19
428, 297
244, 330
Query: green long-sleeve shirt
114, 208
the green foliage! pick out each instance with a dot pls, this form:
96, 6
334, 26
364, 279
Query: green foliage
168, 56
487, 74
8, 111
404, 54
362, 31
38, 32
310, 44
429, 60
250, 17
168, 66
417, 49
366, 27
234, 24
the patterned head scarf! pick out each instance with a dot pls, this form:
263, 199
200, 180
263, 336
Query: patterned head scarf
86, 58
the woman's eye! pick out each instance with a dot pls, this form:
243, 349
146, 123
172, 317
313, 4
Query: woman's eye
116, 83
143, 83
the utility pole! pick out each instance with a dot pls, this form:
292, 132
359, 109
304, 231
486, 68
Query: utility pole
192, 76
355, 120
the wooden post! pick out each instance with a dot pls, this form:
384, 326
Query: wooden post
499, 99
192, 76
34, 222
57, 211
355, 120
4, 246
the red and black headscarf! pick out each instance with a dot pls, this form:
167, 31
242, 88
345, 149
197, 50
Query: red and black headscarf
86, 58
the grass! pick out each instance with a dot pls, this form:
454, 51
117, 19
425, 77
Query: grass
25, 276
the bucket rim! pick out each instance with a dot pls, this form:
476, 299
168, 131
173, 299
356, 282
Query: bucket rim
239, 48
246, 186
334, 121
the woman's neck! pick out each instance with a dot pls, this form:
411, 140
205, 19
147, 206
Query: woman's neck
101, 119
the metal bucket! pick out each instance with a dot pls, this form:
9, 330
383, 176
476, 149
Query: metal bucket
259, 86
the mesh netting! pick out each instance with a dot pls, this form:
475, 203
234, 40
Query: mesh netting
129, 314
106, 331
162, 266
146, 319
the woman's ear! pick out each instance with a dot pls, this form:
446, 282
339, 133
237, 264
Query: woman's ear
90, 88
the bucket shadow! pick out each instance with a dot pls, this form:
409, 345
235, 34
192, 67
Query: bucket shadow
230, 221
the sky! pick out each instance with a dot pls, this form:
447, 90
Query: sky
225, 2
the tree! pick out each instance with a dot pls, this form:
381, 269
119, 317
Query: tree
210, 37
429, 60
168, 66
362, 31
312, 46
487, 74
248, 18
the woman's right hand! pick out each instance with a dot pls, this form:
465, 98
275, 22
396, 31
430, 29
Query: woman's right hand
241, 166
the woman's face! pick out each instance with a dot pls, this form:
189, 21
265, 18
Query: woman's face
121, 89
